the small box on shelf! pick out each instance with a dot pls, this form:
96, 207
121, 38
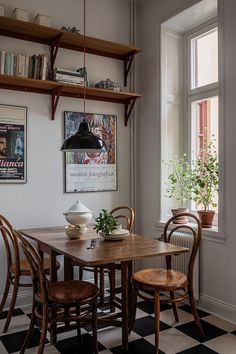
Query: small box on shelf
2, 7
42, 20
20, 14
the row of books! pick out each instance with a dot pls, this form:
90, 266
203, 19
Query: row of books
70, 77
25, 65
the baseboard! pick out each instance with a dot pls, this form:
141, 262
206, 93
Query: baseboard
217, 307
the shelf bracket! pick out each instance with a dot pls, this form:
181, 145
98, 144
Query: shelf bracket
54, 102
127, 65
54, 49
128, 109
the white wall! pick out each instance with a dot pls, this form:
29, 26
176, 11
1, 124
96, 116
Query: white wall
42, 201
218, 261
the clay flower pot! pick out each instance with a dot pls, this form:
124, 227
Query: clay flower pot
181, 219
206, 218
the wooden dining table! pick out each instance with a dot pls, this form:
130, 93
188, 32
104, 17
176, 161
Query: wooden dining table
54, 241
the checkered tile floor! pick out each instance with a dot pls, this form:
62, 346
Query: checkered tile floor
175, 338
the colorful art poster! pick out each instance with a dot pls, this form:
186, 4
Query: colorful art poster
91, 172
13, 144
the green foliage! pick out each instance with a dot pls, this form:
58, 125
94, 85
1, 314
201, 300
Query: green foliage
205, 176
105, 222
179, 183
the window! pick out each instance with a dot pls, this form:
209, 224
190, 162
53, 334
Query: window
189, 90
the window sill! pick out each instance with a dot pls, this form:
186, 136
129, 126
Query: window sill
211, 234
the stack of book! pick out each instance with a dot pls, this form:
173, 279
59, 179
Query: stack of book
70, 77
24, 65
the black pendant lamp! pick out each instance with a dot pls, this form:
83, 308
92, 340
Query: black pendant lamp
84, 140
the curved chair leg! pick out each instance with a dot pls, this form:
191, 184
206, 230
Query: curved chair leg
77, 307
102, 285
44, 330
157, 320
194, 311
5, 294
94, 327
12, 306
172, 296
30, 330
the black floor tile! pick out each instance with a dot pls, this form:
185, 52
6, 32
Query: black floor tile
139, 346
14, 341
210, 331
145, 326
71, 345
187, 308
198, 349
16, 312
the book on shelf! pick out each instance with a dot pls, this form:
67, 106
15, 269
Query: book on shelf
75, 79
68, 72
2, 61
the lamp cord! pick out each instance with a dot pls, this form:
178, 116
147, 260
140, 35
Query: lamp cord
85, 74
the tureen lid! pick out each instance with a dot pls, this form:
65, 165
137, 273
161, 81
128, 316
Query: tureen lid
78, 207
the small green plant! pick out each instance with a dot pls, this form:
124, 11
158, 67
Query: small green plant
179, 183
205, 176
105, 222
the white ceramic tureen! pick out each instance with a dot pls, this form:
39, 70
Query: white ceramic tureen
78, 214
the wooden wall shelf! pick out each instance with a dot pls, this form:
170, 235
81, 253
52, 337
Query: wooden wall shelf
57, 38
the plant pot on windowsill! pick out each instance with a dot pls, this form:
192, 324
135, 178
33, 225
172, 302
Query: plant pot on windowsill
180, 219
206, 217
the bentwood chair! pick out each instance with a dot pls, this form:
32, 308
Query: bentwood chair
178, 285
16, 268
125, 215
50, 298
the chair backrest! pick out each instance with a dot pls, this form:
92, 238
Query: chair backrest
11, 245
195, 231
125, 214
39, 280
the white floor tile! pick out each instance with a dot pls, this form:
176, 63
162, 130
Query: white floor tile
112, 337
218, 322
225, 344
167, 316
2, 349
49, 349
173, 341
17, 324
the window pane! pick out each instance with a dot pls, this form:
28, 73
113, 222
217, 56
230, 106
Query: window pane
204, 52
204, 126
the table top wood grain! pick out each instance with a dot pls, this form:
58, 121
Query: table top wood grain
131, 248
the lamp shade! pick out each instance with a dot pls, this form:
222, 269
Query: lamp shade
84, 141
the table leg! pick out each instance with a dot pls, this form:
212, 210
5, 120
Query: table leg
126, 272
53, 278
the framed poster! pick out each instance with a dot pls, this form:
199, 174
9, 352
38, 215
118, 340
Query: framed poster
91, 172
13, 121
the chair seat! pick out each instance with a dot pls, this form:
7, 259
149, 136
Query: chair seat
67, 292
25, 267
161, 279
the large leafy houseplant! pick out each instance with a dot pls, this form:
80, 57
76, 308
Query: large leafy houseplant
205, 180
179, 184
105, 222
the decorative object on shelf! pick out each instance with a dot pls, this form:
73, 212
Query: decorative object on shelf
12, 144
205, 182
42, 20
108, 85
91, 170
21, 15
179, 185
77, 216
83, 140
2, 8
70, 29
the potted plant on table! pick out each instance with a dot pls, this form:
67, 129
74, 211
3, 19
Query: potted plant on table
105, 223
179, 185
205, 181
